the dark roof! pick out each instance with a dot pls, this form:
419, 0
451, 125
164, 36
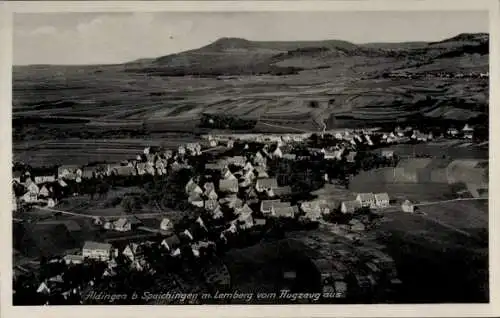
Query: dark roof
268, 183
286, 190
96, 245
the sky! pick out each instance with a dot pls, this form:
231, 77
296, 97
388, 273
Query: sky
108, 38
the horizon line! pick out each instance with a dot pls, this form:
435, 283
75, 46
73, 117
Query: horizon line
265, 41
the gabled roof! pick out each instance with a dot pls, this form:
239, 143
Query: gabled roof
284, 211
366, 196
228, 184
280, 205
172, 241
266, 205
121, 222
382, 196
68, 167
244, 210
271, 183
91, 245
352, 205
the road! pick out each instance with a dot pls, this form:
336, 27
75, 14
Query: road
449, 201
106, 216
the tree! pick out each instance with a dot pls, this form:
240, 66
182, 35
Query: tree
130, 204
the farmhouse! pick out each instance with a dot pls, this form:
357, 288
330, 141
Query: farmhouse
351, 155
452, 132
246, 220
211, 195
248, 166
366, 199
261, 172
350, 206
266, 184
382, 200
284, 212
44, 192
232, 201
122, 225
267, 205
124, 171
389, 154
90, 172
237, 161
44, 179
141, 168
97, 251
244, 210
73, 259
211, 204
217, 213
193, 187
259, 159
408, 206
133, 252
69, 172
208, 186
166, 224
281, 191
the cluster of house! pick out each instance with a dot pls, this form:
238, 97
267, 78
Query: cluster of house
43, 187
467, 132
366, 200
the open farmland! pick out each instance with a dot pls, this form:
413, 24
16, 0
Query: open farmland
455, 149
460, 214
428, 254
79, 151
271, 81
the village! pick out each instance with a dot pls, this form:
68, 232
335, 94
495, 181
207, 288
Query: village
225, 192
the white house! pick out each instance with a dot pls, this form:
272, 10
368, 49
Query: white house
51, 203
166, 224
122, 225
193, 188
44, 192
366, 199
43, 179
132, 251
266, 184
96, 250
382, 200
408, 206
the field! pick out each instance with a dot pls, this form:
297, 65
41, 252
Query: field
436, 265
84, 151
469, 215
286, 86
456, 149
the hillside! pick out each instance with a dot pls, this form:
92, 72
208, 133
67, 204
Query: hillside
285, 84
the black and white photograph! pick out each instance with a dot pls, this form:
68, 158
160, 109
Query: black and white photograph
250, 157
